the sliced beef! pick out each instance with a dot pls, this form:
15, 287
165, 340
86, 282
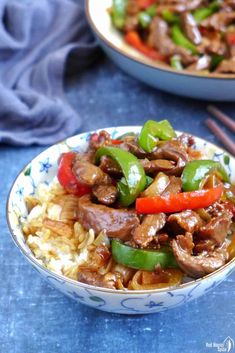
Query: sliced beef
226, 66
159, 36
118, 223
89, 174
186, 139
213, 43
190, 27
149, 227
132, 7
174, 187
217, 229
172, 150
100, 139
159, 165
131, 145
88, 156
95, 279
109, 166
105, 194
175, 151
200, 265
219, 21
183, 222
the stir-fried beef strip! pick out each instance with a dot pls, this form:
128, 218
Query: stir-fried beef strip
158, 165
183, 222
191, 28
131, 145
118, 223
105, 194
217, 229
199, 265
109, 166
219, 21
89, 174
148, 229
100, 139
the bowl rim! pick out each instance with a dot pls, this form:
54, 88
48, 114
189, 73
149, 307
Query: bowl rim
32, 259
150, 63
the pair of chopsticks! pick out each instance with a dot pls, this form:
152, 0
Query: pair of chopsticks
216, 129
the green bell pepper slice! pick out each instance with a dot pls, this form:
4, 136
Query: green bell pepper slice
152, 130
118, 13
180, 39
134, 180
170, 17
195, 171
145, 17
175, 62
204, 12
215, 61
142, 259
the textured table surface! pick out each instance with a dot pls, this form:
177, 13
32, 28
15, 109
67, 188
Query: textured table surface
35, 318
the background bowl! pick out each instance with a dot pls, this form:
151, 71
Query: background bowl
42, 169
216, 87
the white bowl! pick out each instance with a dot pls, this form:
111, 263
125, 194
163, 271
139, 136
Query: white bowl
218, 87
42, 169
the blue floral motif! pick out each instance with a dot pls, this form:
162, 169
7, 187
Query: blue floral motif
20, 192
55, 279
75, 296
214, 284
96, 301
153, 304
45, 165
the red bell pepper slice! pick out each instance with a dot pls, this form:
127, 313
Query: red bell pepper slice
117, 142
66, 177
179, 202
230, 36
133, 39
144, 4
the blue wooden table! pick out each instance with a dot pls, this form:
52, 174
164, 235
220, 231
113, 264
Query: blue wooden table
35, 318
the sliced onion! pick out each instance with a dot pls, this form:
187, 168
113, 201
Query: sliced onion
102, 238
173, 278
69, 208
58, 227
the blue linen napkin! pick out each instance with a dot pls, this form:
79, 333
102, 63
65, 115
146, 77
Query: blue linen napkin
36, 39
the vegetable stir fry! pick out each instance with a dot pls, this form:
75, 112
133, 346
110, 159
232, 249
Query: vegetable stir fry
143, 211
187, 35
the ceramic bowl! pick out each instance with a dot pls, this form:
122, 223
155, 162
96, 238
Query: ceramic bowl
216, 87
42, 169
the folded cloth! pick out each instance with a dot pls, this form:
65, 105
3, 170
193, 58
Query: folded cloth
36, 40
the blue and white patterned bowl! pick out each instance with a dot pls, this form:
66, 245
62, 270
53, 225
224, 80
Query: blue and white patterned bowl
218, 87
42, 169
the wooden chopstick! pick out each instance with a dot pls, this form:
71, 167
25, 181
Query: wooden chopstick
225, 119
221, 135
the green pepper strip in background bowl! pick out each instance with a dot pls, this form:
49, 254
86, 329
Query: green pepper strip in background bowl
142, 259
145, 17
118, 13
204, 12
180, 39
134, 180
152, 130
176, 63
196, 171
170, 17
